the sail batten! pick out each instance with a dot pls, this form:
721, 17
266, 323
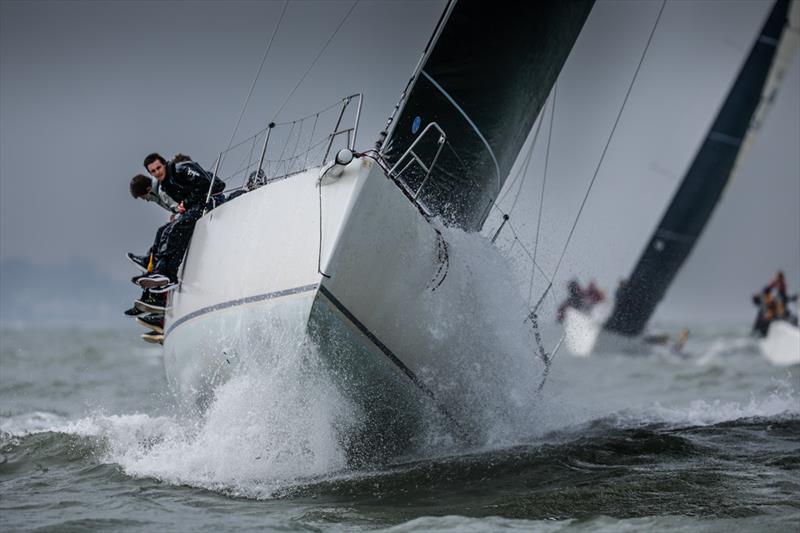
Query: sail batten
704, 183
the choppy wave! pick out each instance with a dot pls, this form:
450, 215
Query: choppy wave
782, 401
259, 445
255, 438
35, 422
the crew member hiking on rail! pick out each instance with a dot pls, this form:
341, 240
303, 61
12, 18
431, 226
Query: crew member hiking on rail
149, 189
773, 304
187, 183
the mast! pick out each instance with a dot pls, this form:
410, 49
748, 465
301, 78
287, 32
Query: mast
483, 79
705, 181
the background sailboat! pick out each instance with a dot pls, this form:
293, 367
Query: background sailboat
701, 189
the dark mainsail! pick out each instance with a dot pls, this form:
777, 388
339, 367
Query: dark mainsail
698, 194
485, 76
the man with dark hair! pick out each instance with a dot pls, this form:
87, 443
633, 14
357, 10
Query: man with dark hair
149, 189
186, 183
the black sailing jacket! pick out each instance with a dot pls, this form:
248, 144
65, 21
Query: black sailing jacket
187, 182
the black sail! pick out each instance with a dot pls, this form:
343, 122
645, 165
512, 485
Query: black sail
698, 194
484, 79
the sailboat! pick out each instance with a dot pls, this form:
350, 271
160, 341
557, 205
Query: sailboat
349, 249
701, 189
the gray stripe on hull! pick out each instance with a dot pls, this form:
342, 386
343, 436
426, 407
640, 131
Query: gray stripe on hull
240, 301
350, 317
394, 359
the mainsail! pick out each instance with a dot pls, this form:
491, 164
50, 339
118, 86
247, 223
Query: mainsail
483, 79
705, 181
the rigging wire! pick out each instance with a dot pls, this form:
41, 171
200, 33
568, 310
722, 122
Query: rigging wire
544, 183
303, 77
524, 171
520, 171
608, 141
548, 359
258, 75
551, 100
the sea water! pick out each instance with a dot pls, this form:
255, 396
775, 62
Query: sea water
91, 438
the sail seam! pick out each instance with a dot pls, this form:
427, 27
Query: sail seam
470, 122
724, 138
765, 39
674, 236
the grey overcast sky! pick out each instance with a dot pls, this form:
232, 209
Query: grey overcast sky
87, 88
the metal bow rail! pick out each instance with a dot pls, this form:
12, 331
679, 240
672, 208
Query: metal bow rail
284, 149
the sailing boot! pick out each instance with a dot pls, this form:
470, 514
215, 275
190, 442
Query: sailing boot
140, 261
171, 286
153, 337
150, 281
152, 321
152, 303
134, 311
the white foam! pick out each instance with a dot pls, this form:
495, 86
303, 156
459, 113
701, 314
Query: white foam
491, 371
783, 401
28, 423
466, 524
725, 346
266, 429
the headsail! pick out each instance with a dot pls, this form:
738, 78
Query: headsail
705, 181
483, 79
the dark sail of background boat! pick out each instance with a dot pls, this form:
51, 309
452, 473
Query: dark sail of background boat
701, 189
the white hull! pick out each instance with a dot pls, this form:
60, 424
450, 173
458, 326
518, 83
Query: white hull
584, 335
583, 330
252, 273
608, 342
781, 346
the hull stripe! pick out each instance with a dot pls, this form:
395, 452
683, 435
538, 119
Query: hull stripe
394, 359
342, 309
240, 301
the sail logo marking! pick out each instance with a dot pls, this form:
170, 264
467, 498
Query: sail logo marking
765, 39
416, 124
724, 138
667, 235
